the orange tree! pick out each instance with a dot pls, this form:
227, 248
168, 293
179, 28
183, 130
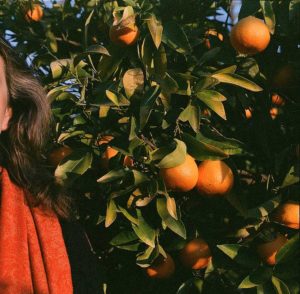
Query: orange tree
181, 160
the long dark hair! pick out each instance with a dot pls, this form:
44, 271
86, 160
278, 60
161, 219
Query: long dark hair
23, 143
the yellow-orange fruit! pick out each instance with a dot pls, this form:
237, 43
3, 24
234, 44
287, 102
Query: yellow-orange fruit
183, 177
123, 36
162, 268
273, 112
58, 154
248, 113
215, 178
35, 14
108, 153
250, 36
287, 214
277, 100
128, 161
267, 251
195, 254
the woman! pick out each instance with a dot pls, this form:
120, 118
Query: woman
41, 251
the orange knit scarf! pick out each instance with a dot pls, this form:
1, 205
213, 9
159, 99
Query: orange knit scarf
33, 256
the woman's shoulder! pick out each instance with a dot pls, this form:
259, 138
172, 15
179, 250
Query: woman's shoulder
87, 273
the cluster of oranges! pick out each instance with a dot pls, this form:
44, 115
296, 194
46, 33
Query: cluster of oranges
194, 255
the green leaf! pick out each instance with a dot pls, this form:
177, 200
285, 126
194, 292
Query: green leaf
205, 83
109, 64
144, 231
75, 165
52, 41
259, 276
288, 251
291, 178
155, 29
191, 114
240, 254
111, 213
113, 175
124, 237
264, 209
175, 37
202, 150
94, 49
145, 258
177, 226
147, 105
58, 67
237, 80
132, 219
229, 69
269, 14
117, 98
171, 207
168, 156
213, 100
280, 286
133, 81
230, 146
210, 95
66, 135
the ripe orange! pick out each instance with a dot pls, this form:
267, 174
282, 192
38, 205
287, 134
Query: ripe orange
183, 177
250, 35
195, 254
248, 113
273, 112
215, 178
267, 251
108, 153
287, 214
58, 154
35, 13
123, 36
128, 161
162, 268
277, 100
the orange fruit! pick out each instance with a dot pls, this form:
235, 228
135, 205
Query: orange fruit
108, 153
277, 100
128, 161
195, 254
250, 36
248, 113
268, 250
215, 178
183, 177
58, 154
273, 112
162, 268
287, 214
35, 13
123, 36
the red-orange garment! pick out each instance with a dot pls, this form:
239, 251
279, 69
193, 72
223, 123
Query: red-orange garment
33, 256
